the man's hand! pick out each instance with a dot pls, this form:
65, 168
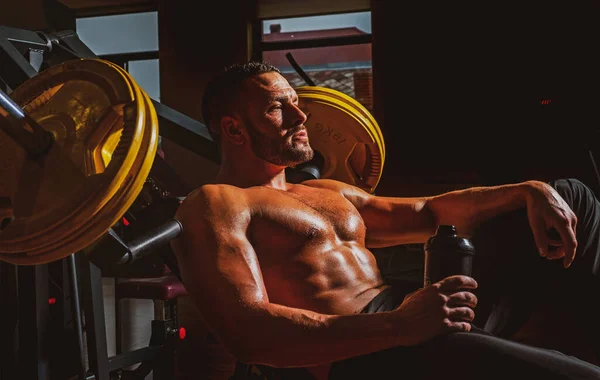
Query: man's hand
552, 222
443, 307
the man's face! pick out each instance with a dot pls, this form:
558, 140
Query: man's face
274, 122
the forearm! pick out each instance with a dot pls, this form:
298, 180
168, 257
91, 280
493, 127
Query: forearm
467, 208
281, 336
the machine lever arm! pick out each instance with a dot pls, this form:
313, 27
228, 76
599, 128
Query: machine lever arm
12, 118
156, 237
112, 250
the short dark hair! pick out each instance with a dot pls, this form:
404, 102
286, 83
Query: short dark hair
221, 91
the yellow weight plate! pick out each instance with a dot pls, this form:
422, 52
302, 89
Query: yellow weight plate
348, 141
373, 161
106, 133
350, 103
347, 107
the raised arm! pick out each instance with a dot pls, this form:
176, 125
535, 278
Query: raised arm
393, 221
221, 273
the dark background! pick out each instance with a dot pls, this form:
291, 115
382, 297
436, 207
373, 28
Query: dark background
457, 92
459, 88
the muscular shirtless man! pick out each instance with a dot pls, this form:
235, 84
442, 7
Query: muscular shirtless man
283, 275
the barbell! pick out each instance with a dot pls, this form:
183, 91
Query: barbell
71, 173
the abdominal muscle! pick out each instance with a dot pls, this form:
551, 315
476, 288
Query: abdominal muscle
310, 244
341, 279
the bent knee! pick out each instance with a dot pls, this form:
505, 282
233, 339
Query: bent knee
567, 184
574, 191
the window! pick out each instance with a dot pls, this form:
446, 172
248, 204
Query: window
334, 51
129, 40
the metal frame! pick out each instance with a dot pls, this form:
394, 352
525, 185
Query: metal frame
316, 43
16, 45
122, 8
23, 54
122, 59
32, 358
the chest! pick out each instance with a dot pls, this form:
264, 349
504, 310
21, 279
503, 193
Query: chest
310, 214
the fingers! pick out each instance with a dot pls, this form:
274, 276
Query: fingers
562, 242
462, 299
456, 282
555, 252
458, 320
539, 234
459, 327
569, 247
461, 314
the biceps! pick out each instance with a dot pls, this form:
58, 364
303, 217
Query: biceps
402, 221
238, 272
224, 282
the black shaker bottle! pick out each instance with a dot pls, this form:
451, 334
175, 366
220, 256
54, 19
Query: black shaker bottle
447, 254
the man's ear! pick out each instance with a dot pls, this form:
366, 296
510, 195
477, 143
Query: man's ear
232, 130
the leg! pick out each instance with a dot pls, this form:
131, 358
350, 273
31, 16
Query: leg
513, 278
468, 356
584, 203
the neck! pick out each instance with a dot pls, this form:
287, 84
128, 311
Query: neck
247, 172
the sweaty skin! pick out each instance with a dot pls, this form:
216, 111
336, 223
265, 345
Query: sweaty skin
280, 272
310, 244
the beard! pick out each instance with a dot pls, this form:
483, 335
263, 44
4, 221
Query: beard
283, 151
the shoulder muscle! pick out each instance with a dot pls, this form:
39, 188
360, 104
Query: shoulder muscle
358, 197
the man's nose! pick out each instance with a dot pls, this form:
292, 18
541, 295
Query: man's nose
299, 116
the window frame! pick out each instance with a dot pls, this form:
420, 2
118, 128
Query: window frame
266, 46
262, 46
123, 59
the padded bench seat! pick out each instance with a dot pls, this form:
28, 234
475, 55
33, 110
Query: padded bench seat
164, 288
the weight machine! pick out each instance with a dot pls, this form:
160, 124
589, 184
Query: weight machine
53, 300
80, 153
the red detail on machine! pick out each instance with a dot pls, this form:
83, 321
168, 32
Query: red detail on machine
546, 101
125, 222
182, 333
51, 301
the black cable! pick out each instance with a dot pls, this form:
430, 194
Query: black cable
595, 167
299, 70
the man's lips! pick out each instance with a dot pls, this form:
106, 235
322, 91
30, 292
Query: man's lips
299, 134
302, 135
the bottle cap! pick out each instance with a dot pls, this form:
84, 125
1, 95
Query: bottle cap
447, 240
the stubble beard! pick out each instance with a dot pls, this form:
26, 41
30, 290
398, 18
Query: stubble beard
281, 152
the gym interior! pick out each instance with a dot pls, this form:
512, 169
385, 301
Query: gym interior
444, 96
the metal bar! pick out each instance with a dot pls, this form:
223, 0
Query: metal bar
94, 318
8, 320
70, 41
316, 43
133, 357
36, 143
15, 68
118, 316
256, 38
151, 240
186, 132
32, 358
11, 107
73, 277
121, 8
126, 57
167, 178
